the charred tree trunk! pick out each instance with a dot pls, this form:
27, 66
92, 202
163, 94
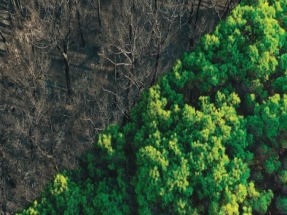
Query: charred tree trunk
190, 12
64, 53
197, 15
3, 38
155, 11
80, 26
191, 40
228, 8
155, 5
132, 12
4, 41
99, 13
67, 73
156, 63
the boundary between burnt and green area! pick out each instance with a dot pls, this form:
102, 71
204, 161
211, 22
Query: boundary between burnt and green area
208, 138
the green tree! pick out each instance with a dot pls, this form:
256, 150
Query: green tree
281, 205
188, 159
242, 53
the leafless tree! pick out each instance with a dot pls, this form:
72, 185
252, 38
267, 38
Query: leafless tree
135, 43
62, 24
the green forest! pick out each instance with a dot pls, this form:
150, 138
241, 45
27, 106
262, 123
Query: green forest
210, 137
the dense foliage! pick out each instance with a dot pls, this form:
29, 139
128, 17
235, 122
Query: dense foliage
209, 138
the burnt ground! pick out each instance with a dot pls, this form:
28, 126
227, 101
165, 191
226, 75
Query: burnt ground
42, 129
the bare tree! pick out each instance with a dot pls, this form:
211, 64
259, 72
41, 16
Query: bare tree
136, 41
26, 121
62, 25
